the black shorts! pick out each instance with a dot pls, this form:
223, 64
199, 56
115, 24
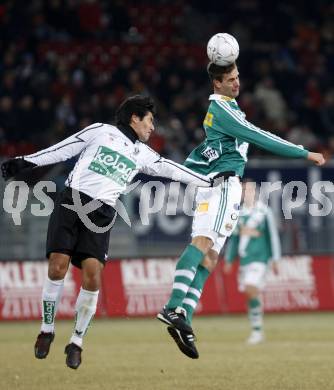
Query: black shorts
68, 234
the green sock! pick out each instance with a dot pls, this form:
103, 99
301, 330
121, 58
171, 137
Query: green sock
184, 275
194, 293
255, 313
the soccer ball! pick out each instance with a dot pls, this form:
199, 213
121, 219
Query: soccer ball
223, 49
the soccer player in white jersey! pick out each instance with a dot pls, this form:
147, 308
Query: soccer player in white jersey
110, 156
256, 242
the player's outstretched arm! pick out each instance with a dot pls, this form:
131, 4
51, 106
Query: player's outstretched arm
155, 165
65, 149
237, 126
172, 170
61, 151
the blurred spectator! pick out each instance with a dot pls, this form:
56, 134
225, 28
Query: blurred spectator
327, 113
118, 18
8, 119
271, 100
90, 16
302, 135
27, 115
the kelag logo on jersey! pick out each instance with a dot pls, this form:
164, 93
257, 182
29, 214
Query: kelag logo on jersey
115, 166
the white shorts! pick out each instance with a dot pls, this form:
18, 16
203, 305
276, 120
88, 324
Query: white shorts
217, 211
253, 274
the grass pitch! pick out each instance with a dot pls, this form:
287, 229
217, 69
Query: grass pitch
138, 354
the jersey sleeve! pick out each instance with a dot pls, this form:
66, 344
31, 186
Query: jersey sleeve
235, 125
274, 239
65, 149
232, 248
155, 165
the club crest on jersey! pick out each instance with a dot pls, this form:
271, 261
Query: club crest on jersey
112, 164
210, 154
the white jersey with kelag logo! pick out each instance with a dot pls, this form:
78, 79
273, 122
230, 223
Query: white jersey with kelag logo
108, 162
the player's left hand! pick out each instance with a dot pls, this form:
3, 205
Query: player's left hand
12, 167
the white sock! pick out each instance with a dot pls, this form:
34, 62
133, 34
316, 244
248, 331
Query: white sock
255, 316
51, 295
85, 309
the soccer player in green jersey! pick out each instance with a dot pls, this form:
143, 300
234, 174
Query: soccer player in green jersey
224, 150
256, 242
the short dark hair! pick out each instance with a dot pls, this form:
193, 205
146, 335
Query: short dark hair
216, 72
134, 105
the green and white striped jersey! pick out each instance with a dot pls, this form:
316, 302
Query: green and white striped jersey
250, 249
228, 134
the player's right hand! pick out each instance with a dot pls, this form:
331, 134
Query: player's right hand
12, 167
317, 158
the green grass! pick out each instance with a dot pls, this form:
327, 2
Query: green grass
133, 354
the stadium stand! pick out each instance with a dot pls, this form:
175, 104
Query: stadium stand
69, 63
